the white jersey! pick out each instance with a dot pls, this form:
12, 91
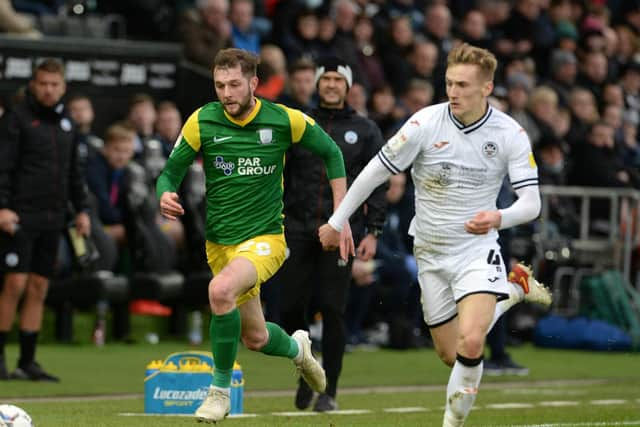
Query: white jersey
458, 171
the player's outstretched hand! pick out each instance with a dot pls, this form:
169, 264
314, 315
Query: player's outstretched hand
170, 206
483, 222
332, 239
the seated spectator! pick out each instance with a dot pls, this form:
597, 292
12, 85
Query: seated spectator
357, 99
272, 72
168, 125
204, 30
105, 178
148, 148
382, 110
368, 56
302, 40
81, 112
584, 113
563, 71
244, 34
597, 164
301, 86
552, 170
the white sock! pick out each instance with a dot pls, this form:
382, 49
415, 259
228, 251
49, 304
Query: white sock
298, 358
461, 393
516, 295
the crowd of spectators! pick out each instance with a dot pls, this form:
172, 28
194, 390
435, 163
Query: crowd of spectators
569, 73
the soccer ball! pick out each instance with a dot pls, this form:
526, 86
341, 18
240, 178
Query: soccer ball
12, 416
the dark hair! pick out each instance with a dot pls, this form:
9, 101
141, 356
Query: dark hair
49, 65
301, 65
232, 57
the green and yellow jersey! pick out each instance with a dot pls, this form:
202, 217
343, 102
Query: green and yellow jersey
243, 163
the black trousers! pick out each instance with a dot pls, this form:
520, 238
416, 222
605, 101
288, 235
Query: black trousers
313, 278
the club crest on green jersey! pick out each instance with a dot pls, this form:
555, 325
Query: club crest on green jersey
266, 135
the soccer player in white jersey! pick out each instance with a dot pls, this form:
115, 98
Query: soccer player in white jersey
460, 152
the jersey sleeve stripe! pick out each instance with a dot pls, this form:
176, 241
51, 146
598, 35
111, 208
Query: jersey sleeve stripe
524, 181
394, 170
517, 187
191, 130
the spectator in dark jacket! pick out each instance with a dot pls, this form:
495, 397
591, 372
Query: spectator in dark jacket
39, 174
106, 178
308, 203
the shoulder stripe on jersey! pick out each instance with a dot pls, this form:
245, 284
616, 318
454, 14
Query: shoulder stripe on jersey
524, 180
191, 130
387, 163
297, 122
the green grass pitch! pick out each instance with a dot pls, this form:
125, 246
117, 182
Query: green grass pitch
104, 387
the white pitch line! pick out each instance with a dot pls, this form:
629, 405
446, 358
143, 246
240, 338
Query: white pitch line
559, 403
514, 405
144, 414
608, 402
585, 424
295, 414
406, 410
350, 412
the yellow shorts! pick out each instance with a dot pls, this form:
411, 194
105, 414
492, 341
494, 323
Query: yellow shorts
266, 253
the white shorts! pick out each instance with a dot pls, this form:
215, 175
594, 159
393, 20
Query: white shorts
445, 280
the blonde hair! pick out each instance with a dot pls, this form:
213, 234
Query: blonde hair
467, 54
543, 94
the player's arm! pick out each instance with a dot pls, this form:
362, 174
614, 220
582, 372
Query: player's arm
394, 157
181, 157
376, 203
523, 174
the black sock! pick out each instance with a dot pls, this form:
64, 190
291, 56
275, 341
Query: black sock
3, 340
27, 347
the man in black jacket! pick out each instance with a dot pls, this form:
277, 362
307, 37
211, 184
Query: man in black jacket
309, 271
39, 174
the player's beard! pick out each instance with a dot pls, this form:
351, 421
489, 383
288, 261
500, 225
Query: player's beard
244, 105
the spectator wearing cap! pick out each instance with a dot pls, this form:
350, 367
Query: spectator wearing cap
312, 277
563, 71
519, 86
566, 36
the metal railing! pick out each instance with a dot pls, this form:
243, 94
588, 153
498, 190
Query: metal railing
624, 214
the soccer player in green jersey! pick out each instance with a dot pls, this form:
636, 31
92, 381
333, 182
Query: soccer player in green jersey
243, 141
